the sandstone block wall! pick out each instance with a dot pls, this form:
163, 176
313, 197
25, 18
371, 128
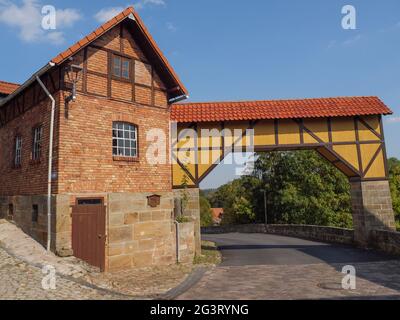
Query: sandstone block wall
186, 242
372, 208
140, 236
192, 211
22, 217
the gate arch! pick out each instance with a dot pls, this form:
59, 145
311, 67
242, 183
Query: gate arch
348, 132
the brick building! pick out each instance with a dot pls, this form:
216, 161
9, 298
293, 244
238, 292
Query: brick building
124, 86
76, 137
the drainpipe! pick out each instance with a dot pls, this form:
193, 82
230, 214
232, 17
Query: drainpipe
178, 257
53, 105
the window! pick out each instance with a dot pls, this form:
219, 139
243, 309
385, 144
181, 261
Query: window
90, 202
10, 210
18, 151
121, 67
35, 213
37, 143
124, 139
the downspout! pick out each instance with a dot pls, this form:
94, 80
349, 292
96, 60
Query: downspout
178, 257
49, 175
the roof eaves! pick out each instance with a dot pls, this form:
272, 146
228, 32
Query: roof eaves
27, 83
160, 54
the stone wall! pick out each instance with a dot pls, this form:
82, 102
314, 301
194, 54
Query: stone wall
61, 223
319, 233
326, 234
139, 235
22, 217
186, 242
372, 208
387, 241
192, 211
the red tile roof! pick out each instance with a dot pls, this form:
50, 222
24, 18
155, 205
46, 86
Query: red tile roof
8, 87
278, 109
217, 212
109, 25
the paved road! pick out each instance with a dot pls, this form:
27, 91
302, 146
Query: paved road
260, 266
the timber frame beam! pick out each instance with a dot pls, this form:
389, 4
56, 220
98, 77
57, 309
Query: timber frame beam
355, 145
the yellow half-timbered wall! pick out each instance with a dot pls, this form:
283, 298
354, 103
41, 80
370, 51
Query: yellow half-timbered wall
355, 145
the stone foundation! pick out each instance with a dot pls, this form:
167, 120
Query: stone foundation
192, 211
372, 208
137, 235
23, 213
186, 242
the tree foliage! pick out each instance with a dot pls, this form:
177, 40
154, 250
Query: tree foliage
205, 212
394, 179
302, 188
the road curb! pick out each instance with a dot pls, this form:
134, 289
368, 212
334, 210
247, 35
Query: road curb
188, 283
194, 277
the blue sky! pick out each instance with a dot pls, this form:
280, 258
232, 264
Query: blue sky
231, 50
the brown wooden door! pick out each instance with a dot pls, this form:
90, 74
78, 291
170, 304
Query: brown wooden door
88, 231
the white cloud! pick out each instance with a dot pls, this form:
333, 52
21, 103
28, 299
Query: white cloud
171, 27
106, 14
353, 40
67, 17
331, 44
27, 19
393, 120
143, 3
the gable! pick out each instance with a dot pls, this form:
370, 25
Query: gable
144, 86
127, 34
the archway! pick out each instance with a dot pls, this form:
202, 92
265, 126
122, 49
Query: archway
348, 132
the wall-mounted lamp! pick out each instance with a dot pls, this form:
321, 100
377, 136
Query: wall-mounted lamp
74, 73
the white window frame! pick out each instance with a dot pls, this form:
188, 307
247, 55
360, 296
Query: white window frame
18, 151
125, 140
37, 143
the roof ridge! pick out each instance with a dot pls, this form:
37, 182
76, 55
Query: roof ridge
279, 109
273, 100
95, 34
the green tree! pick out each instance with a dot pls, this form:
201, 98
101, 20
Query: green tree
303, 188
205, 212
394, 179
236, 198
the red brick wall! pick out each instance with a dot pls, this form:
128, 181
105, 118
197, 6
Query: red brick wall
86, 161
83, 129
31, 177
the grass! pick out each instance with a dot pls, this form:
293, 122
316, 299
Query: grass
210, 255
398, 225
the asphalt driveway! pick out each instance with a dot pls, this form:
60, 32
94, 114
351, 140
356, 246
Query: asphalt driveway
261, 266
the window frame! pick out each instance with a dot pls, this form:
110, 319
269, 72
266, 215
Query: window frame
115, 137
37, 146
121, 62
17, 159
